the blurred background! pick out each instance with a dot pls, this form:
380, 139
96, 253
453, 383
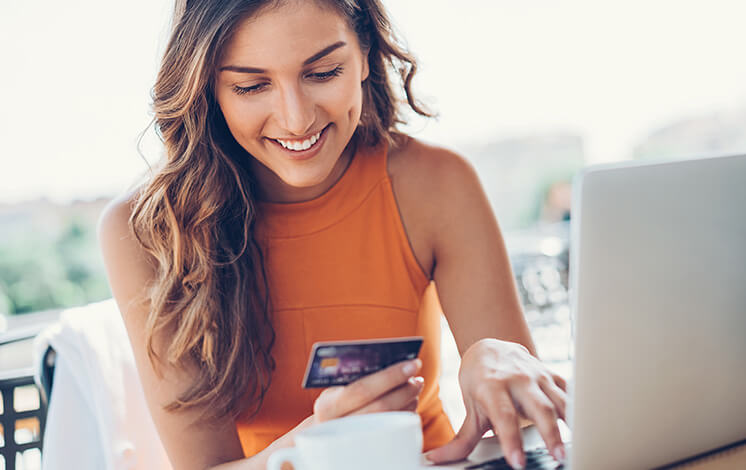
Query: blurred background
529, 91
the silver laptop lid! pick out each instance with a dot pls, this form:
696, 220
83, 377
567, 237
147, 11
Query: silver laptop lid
659, 301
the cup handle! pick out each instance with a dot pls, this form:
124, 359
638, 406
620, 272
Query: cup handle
280, 456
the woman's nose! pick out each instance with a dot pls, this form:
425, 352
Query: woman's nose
295, 111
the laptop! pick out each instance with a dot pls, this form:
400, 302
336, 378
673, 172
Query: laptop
658, 295
658, 289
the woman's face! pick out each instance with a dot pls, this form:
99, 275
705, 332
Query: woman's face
289, 86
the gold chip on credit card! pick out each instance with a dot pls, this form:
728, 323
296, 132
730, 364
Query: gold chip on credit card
329, 362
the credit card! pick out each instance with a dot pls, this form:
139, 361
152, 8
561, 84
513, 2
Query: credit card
341, 362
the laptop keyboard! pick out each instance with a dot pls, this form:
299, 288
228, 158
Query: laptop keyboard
536, 459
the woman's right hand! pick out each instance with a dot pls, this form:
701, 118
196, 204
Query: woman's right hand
396, 388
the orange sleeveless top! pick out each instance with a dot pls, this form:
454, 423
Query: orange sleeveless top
340, 267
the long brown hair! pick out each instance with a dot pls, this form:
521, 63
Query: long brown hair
196, 213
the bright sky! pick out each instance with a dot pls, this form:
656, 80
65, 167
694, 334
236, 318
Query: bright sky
77, 74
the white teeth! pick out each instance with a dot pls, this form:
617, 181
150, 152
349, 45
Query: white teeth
298, 145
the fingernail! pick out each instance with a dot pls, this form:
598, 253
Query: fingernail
517, 460
419, 381
559, 453
427, 458
409, 367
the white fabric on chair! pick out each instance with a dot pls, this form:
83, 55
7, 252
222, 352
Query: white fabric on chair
97, 417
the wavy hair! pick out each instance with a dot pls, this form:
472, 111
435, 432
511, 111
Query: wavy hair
196, 214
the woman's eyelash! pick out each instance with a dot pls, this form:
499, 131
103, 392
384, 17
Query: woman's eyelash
321, 76
242, 90
326, 75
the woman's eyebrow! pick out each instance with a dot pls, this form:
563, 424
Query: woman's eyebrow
322, 53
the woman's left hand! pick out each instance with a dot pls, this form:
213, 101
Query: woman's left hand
502, 382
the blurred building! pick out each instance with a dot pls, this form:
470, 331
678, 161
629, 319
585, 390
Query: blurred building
719, 133
519, 174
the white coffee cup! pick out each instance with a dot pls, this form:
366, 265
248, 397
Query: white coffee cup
391, 441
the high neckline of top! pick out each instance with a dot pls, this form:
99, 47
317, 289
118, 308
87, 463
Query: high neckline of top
366, 168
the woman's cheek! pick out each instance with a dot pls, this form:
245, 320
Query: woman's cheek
342, 97
245, 119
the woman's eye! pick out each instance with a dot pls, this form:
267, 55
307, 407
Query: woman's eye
321, 76
318, 76
242, 90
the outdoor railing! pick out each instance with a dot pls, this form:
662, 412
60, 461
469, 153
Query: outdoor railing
23, 406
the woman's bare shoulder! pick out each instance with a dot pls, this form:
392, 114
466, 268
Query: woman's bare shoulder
412, 155
129, 267
429, 175
428, 183
114, 219
428, 168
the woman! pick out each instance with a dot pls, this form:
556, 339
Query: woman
288, 210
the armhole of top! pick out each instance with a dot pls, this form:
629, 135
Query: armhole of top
400, 227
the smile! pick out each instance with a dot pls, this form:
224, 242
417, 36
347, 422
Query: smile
301, 145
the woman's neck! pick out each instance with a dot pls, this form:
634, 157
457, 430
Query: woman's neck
271, 188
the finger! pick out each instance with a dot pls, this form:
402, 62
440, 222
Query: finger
560, 381
505, 422
395, 400
339, 401
461, 445
542, 411
412, 406
557, 396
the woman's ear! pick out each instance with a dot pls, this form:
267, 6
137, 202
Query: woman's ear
366, 68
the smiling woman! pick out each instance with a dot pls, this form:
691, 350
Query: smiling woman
289, 209
309, 93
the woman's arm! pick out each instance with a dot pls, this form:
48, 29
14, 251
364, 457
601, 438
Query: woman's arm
475, 283
456, 238
450, 222
129, 269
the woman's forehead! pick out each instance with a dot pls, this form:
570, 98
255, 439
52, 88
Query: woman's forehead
289, 32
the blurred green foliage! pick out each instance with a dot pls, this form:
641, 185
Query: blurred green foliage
40, 271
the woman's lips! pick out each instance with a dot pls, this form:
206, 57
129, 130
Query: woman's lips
303, 154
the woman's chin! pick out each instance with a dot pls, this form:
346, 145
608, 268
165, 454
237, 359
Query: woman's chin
304, 184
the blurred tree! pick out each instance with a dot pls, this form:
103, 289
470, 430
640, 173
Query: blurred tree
40, 270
